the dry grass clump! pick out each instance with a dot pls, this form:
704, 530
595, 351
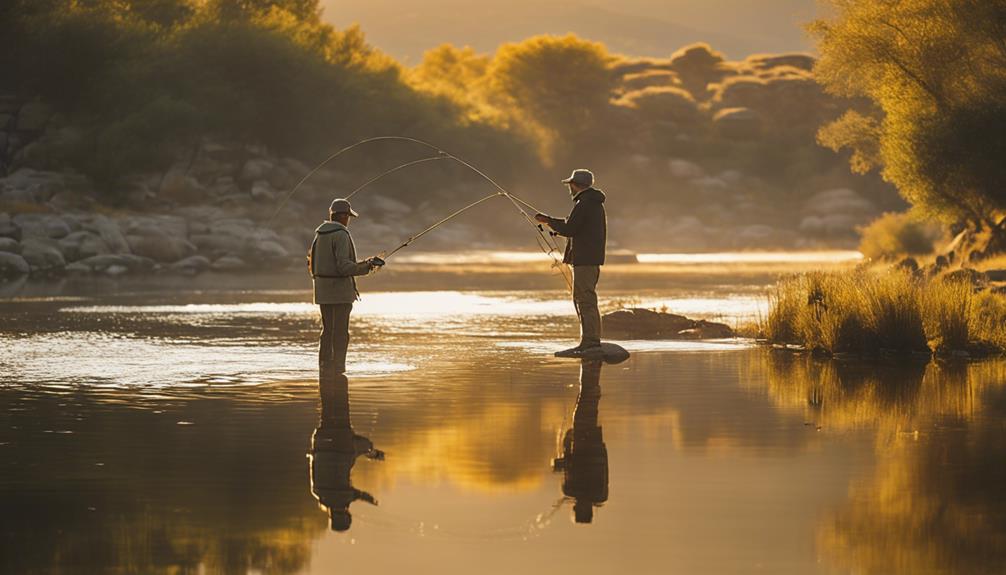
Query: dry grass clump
869, 313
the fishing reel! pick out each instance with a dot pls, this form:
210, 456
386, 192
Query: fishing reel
377, 262
550, 232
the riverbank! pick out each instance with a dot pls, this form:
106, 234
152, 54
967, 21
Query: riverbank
894, 311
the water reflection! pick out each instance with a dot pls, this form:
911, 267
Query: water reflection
934, 502
584, 460
335, 447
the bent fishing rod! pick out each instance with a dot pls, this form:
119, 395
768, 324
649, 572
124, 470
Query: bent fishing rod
544, 241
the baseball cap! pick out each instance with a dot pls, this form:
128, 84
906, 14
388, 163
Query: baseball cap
581, 177
341, 205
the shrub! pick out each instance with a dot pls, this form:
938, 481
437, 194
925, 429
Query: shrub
866, 312
893, 235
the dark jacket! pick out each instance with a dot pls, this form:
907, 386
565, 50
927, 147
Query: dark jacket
586, 227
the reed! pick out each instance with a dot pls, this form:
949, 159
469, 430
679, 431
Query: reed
870, 313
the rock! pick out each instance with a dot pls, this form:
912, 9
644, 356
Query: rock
685, 170
130, 262
161, 248
77, 268
218, 245
34, 186
43, 226
256, 169
908, 264
8, 229
10, 245
648, 324
83, 244
998, 275
13, 265
229, 264
41, 256
111, 235
116, 270
269, 250
178, 186
969, 276
261, 190
192, 264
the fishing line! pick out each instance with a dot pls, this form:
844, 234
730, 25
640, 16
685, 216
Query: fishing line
551, 249
393, 170
441, 222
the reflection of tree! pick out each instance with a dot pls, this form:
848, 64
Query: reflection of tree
334, 450
935, 503
224, 496
584, 461
887, 396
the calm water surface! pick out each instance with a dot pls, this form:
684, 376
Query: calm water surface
187, 430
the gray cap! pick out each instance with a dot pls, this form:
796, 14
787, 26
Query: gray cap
581, 177
340, 206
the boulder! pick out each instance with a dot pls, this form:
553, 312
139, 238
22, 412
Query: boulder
41, 256
269, 250
129, 262
83, 244
13, 265
178, 186
262, 190
161, 248
9, 245
8, 229
648, 324
229, 264
218, 245
191, 265
997, 275
256, 169
110, 234
684, 169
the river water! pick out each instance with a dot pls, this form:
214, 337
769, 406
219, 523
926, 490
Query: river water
181, 426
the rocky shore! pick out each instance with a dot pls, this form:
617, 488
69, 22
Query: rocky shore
213, 213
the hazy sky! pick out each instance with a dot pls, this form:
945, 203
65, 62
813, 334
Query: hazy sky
406, 28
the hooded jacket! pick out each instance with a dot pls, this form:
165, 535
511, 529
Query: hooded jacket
586, 228
333, 265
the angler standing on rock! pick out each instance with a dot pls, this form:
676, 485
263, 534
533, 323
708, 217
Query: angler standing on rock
586, 230
333, 266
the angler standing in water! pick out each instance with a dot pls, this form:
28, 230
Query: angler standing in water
586, 231
333, 266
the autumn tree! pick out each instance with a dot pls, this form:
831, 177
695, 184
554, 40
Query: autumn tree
936, 72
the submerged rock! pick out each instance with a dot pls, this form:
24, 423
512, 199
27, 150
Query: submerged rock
649, 324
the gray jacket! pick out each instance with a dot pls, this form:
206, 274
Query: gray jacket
333, 265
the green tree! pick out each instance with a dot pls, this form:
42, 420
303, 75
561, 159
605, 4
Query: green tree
936, 72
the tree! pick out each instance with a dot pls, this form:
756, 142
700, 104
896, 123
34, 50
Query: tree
936, 72
558, 85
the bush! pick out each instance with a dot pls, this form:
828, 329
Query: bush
894, 235
865, 312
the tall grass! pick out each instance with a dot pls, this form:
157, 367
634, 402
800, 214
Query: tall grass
869, 313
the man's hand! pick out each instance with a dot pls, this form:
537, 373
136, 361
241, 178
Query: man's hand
375, 262
542, 218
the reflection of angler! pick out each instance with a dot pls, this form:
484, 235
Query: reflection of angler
584, 461
334, 449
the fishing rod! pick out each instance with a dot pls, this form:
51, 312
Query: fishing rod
438, 224
544, 241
